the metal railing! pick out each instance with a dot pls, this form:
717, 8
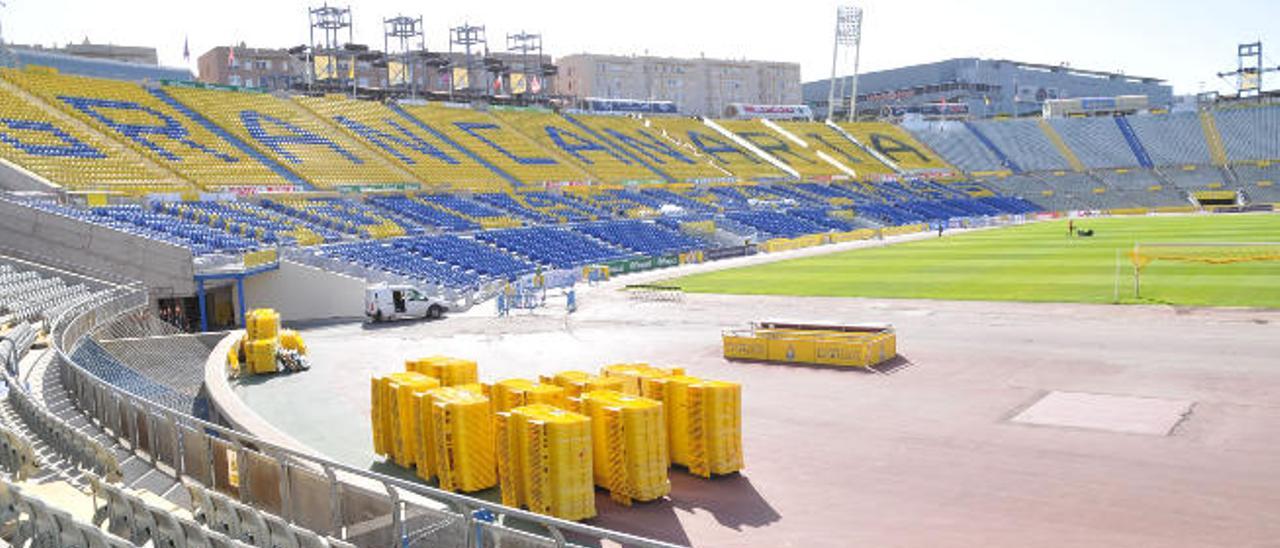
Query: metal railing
332, 498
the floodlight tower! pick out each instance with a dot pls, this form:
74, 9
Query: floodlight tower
848, 37
1249, 70
329, 21
524, 44
400, 32
467, 36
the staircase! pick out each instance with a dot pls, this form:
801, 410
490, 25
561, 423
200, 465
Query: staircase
987, 142
1217, 150
1139, 151
1061, 145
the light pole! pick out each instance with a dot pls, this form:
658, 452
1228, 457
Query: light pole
848, 36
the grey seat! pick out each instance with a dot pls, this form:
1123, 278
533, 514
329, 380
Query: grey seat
40, 528
93, 536
69, 535
223, 517
197, 536
282, 535
141, 519
253, 529
169, 532
309, 539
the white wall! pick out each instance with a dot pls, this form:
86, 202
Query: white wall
303, 293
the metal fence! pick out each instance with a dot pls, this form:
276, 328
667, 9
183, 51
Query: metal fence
363, 507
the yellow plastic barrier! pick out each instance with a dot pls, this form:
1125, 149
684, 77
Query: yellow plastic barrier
853, 235
233, 358
456, 439
393, 414
629, 445
1129, 211
291, 340
511, 393
260, 355
262, 323
577, 383
634, 375
850, 346
449, 371
704, 424
544, 461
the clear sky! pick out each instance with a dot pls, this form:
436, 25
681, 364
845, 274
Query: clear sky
1183, 41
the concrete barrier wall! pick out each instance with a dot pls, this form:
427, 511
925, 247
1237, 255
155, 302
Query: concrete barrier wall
14, 177
305, 293
163, 267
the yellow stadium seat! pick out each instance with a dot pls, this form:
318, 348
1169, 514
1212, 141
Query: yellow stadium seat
52, 144
822, 138
638, 137
152, 127
499, 144
896, 144
398, 139
696, 136
287, 133
597, 156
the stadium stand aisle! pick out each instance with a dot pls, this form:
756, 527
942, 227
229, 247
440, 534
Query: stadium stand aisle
735, 160
388, 257
897, 145
554, 247
640, 139
69, 153
593, 154
424, 213
428, 157
346, 216
501, 146
953, 141
482, 214
1172, 139
641, 237
291, 136
1025, 144
823, 138
153, 128
468, 254
803, 159
1097, 142
133, 219
1250, 133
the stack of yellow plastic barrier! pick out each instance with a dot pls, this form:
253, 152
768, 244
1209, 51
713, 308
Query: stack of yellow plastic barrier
393, 418
704, 423
637, 376
262, 330
449, 371
455, 439
544, 461
629, 445
511, 393
577, 383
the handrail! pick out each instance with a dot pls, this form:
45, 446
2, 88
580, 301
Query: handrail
72, 326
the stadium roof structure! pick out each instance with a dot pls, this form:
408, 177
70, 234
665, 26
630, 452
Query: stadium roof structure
1078, 72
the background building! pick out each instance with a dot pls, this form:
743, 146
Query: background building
986, 87
701, 87
277, 69
133, 63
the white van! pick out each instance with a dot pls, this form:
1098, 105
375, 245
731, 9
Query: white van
384, 302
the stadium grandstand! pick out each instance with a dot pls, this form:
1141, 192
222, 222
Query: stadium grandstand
145, 217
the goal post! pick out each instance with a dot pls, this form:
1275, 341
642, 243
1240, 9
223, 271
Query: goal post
1218, 253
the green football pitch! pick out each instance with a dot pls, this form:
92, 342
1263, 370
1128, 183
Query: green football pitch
1033, 262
